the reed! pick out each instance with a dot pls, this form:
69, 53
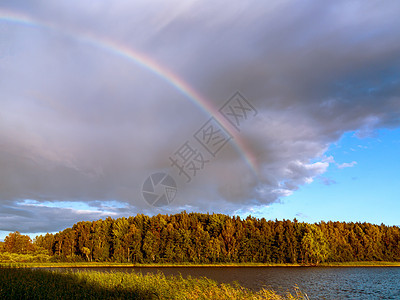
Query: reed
25, 283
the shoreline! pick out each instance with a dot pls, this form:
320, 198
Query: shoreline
95, 265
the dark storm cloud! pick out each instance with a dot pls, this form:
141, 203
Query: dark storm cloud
78, 123
31, 218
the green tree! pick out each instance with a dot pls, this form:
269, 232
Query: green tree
86, 251
314, 245
196, 237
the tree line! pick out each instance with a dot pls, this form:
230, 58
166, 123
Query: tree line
217, 238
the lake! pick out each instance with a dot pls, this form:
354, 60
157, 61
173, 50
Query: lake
316, 282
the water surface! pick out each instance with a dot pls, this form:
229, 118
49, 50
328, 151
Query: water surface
316, 282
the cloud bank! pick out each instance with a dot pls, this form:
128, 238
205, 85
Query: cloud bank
80, 123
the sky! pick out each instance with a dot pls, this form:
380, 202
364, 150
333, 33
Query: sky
277, 109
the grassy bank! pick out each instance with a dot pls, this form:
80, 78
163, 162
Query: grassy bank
157, 265
116, 265
21, 283
362, 264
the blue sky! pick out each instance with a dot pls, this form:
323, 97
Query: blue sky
365, 192
96, 97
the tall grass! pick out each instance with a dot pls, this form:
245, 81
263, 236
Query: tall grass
22, 283
25, 258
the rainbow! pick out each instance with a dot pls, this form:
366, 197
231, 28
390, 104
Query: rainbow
145, 62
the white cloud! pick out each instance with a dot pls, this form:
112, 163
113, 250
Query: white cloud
347, 165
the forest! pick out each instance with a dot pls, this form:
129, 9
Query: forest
212, 238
